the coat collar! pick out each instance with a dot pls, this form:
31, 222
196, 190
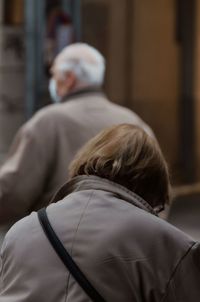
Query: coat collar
84, 182
81, 92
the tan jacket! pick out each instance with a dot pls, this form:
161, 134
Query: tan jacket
127, 253
38, 161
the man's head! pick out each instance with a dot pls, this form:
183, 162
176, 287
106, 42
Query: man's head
78, 66
126, 155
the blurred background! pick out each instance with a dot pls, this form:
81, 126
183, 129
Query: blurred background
152, 50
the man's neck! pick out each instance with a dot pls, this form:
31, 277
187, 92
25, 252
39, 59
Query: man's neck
82, 90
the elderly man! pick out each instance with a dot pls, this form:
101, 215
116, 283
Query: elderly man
38, 160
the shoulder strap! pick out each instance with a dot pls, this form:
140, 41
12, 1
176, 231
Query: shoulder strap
66, 258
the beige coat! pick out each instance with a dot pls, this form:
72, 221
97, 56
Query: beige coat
127, 253
38, 161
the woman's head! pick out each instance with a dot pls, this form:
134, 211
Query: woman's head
127, 155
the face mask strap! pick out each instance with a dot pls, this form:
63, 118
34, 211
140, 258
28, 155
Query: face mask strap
53, 91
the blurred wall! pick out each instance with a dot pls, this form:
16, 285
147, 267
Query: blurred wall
197, 85
156, 71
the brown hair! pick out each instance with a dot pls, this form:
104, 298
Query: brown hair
127, 155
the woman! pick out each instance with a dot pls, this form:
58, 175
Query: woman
106, 219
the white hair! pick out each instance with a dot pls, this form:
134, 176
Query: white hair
85, 61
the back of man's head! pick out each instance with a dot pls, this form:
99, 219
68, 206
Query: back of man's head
84, 61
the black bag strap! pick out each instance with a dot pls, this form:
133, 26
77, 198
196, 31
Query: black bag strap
66, 258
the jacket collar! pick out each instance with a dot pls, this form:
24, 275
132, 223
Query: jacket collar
84, 182
81, 92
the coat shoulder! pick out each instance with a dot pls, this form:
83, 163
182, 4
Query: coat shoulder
17, 239
157, 228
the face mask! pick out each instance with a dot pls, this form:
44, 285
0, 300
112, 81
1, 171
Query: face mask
53, 91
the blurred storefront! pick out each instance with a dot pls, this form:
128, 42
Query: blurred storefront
150, 51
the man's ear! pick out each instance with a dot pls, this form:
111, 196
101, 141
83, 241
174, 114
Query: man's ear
70, 81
